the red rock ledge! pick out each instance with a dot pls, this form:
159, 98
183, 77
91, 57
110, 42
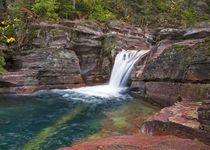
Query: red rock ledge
140, 142
180, 120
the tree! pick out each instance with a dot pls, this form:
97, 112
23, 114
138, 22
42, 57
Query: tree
74, 4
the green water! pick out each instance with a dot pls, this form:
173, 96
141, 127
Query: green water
48, 120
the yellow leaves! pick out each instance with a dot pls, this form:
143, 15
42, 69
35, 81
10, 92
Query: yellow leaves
10, 40
7, 29
16, 20
3, 22
128, 17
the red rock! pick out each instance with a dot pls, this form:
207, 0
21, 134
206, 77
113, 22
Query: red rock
179, 73
180, 119
127, 36
42, 69
140, 141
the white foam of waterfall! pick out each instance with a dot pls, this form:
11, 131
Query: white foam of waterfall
123, 66
121, 71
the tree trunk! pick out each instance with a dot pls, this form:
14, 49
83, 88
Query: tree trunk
125, 10
74, 4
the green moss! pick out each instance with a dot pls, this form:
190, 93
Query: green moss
120, 121
196, 139
56, 31
207, 39
180, 47
94, 137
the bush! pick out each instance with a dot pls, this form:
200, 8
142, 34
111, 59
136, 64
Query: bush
100, 14
190, 15
65, 8
46, 8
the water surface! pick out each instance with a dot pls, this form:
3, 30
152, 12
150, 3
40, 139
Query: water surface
55, 118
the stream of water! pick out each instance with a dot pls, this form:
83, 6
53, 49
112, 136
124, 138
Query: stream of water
50, 119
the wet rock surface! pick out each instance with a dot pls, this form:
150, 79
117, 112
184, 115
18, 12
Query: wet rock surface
139, 142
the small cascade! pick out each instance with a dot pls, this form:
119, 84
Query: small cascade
121, 71
123, 66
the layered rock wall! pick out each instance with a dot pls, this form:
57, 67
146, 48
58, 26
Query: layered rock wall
68, 54
176, 71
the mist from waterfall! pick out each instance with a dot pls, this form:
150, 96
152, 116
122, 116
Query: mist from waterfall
124, 62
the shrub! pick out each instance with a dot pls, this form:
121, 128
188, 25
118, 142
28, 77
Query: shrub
65, 8
46, 8
190, 15
100, 14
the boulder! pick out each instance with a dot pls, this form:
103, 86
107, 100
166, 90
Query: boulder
180, 119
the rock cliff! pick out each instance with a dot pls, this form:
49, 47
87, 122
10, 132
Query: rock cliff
175, 71
66, 55
175, 75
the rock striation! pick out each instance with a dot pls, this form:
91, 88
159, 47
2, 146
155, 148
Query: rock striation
68, 54
180, 119
42, 68
175, 75
177, 71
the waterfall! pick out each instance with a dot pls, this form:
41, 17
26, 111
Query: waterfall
121, 71
123, 66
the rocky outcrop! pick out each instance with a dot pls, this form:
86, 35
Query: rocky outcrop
94, 47
162, 39
127, 36
180, 119
139, 142
179, 73
42, 68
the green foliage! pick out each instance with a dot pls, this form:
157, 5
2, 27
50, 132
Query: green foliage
46, 8
190, 15
163, 12
14, 9
99, 13
2, 62
142, 12
65, 8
